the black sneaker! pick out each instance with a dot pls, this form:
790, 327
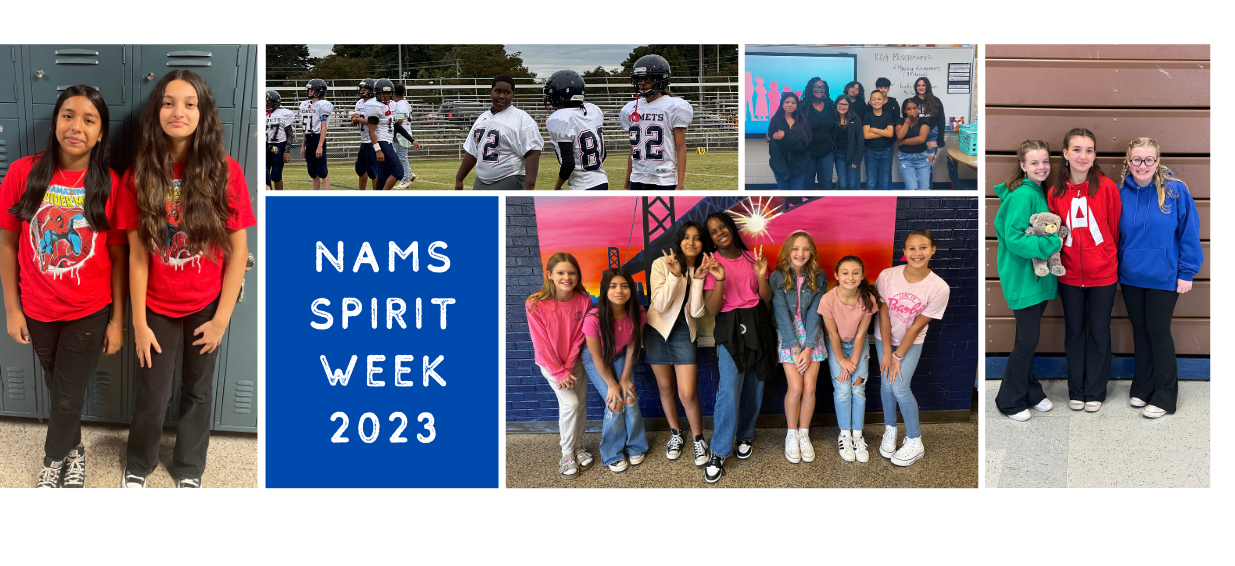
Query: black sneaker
715, 469
50, 476
673, 450
191, 483
746, 447
701, 452
132, 480
75, 468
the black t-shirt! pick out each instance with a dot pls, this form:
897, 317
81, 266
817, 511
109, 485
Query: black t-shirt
923, 126
878, 123
859, 107
821, 126
840, 137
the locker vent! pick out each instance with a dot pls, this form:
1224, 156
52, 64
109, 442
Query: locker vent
15, 378
100, 387
243, 400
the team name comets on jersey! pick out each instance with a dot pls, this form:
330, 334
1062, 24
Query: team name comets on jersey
647, 116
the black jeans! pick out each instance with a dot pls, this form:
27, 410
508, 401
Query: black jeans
1156, 378
154, 391
1019, 389
68, 350
1089, 359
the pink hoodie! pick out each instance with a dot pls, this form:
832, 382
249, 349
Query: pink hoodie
557, 333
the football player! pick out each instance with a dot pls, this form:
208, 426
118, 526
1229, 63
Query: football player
657, 128
315, 116
504, 144
278, 138
575, 131
380, 122
364, 160
403, 112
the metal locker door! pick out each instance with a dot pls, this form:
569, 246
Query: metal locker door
10, 138
218, 65
8, 73
57, 67
19, 390
105, 392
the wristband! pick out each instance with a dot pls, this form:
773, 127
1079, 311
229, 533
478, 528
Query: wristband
796, 350
377, 147
720, 280
897, 357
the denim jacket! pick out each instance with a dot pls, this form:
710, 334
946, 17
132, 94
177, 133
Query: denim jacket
785, 303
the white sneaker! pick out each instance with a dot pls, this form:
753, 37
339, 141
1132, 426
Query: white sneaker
1152, 412
1021, 416
1136, 402
400, 185
911, 451
845, 446
618, 466
808, 451
793, 452
888, 446
859, 447
1044, 406
701, 452
1093, 406
636, 459
411, 177
1076, 405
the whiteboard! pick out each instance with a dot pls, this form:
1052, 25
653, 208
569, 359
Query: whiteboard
902, 66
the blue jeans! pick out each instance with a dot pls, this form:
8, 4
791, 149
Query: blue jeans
793, 183
622, 432
878, 169
916, 171
898, 392
738, 397
401, 151
848, 178
821, 167
933, 136
849, 400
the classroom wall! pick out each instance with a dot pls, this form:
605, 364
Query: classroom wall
1120, 92
942, 382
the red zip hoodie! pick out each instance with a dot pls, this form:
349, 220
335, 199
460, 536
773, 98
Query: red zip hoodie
1089, 252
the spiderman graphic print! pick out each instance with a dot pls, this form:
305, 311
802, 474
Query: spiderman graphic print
175, 250
61, 238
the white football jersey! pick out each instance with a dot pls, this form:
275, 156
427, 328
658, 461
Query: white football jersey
276, 122
385, 113
581, 127
364, 128
312, 114
499, 142
653, 151
403, 111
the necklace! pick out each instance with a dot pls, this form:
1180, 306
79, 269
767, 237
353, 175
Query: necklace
65, 174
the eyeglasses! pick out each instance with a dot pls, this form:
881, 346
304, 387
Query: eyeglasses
1143, 161
818, 87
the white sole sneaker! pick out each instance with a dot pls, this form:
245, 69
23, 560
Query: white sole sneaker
618, 467
904, 457
859, 449
1044, 406
1152, 412
887, 446
1093, 406
1136, 402
636, 459
1076, 405
1021, 416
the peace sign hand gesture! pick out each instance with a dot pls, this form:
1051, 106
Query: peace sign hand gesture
671, 261
705, 265
761, 263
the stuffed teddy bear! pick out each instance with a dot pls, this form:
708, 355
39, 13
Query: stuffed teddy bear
1041, 224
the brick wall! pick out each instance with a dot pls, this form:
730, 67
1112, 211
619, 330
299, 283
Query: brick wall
944, 379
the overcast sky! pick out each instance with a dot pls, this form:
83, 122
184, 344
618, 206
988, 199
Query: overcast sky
544, 60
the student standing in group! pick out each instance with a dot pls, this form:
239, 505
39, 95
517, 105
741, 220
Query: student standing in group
504, 144
931, 110
186, 207
62, 264
614, 337
1088, 202
846, 312
821, 115
676, 284
380, 120
891, 106
879, 129
856, 94
789, 139
1159, 254
365, 162
746, 352
1026, 293
849, 141
797, 284
315, 115
279, 139
555, 321
912, 296
403, 115
575, 130
656, 122
912, 133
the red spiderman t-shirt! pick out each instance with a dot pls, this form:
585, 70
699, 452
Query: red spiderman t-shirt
62, 263
181, 283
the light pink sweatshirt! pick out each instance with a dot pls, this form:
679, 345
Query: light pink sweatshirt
557, 333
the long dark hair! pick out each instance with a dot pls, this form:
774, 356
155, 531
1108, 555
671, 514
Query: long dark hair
204, 182
710, 246
801, 126
1064, 174
861, 90
1018, 176
808, 93
849, 117
98, 176
605, 315
932, 101
866, 292
681, 235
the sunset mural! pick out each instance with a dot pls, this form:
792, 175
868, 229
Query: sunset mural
841, 225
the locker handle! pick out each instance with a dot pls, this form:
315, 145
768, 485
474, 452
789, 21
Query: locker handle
62, 87
76, 52
188, 63
190, 54
77, 61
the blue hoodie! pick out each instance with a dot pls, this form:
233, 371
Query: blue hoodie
1155, 248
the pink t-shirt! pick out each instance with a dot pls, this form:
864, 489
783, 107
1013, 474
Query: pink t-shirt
623, 331
557, 333
847, 317
907, 300
741, 283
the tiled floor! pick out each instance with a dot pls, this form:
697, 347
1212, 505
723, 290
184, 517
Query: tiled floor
231, 462
951, 461
1115, 447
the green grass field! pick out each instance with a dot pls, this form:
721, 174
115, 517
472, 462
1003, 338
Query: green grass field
711, 171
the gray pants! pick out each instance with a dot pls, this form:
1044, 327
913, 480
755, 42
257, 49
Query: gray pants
511, 183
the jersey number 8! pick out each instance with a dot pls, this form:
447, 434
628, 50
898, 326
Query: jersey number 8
591, 149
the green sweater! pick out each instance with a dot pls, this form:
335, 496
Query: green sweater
1021, 287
